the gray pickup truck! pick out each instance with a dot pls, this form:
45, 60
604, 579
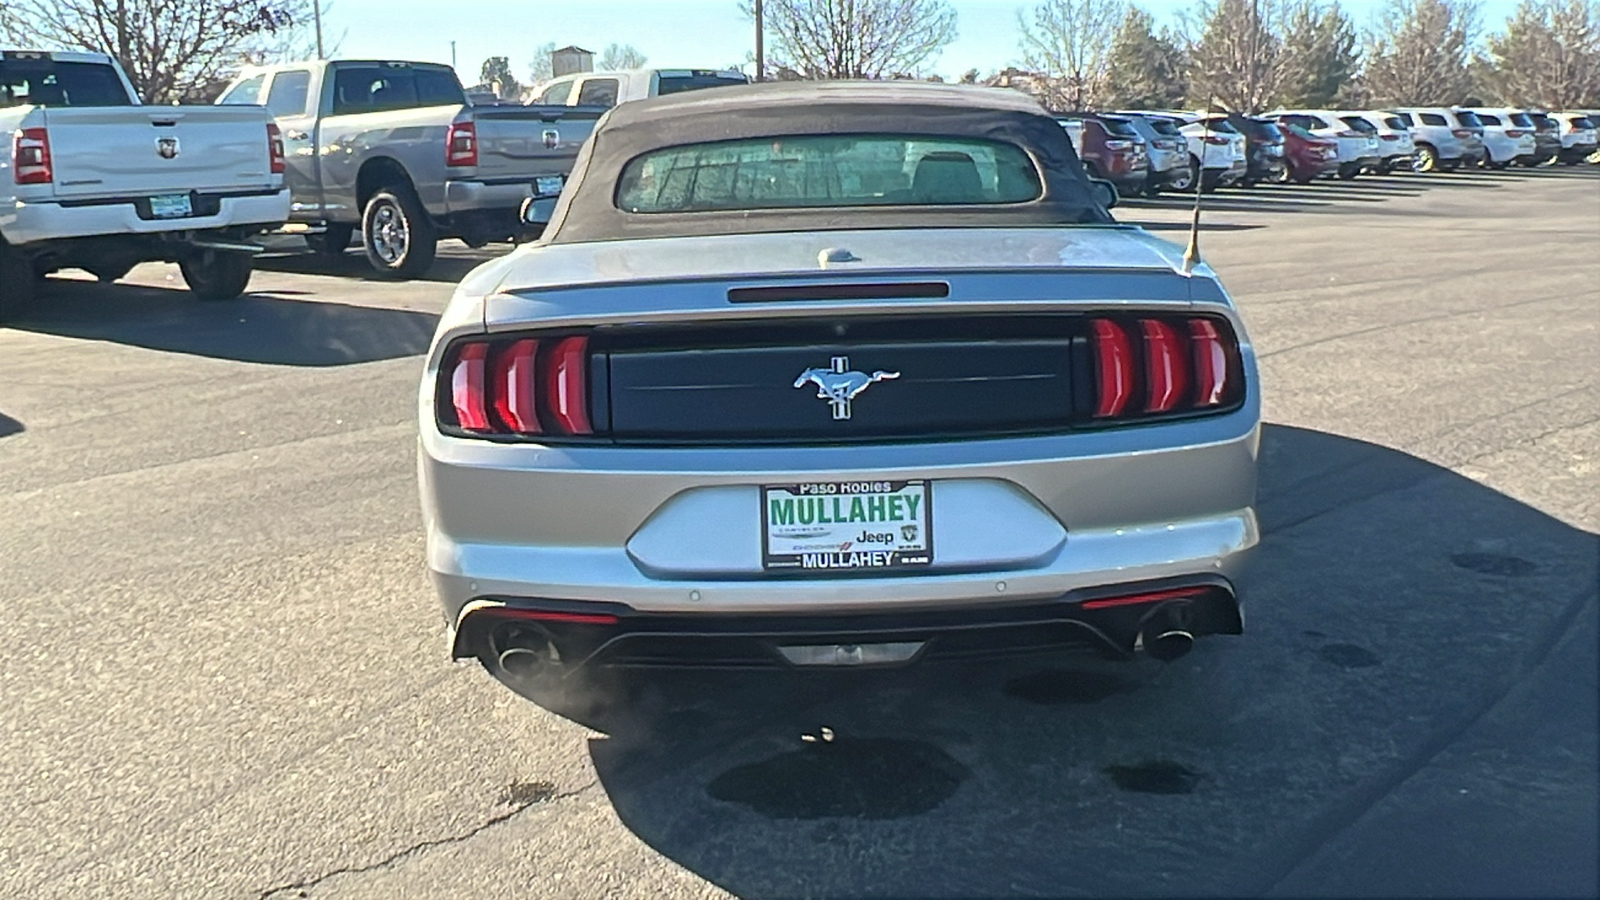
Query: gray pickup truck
394, 150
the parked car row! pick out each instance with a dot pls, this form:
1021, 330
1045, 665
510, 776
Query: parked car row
1180, 150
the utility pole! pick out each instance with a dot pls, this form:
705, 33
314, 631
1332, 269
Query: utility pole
316, 15
761, 51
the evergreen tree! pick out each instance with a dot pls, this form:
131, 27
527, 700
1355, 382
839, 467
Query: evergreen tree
1145, 70
1548, 56
1319, 55
1418, 54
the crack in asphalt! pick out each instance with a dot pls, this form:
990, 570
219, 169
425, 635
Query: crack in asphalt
1324, 829
420, 846
1528, 441
1389, 326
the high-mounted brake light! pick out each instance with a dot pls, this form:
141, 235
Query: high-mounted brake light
30, 157
461, 144
275, 152
1114, 366
568, 397
467, 387
1165, 366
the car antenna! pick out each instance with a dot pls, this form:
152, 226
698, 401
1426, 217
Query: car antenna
1191, 255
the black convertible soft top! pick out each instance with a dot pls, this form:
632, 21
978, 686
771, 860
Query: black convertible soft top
588, 211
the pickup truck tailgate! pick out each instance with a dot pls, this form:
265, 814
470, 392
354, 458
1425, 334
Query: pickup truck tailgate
530, 141
145, 150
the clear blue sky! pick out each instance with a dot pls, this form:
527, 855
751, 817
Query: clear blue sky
697, 33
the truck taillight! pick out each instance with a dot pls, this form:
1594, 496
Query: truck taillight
516, 388
1152, 366
30, 157
275, 153
461, 145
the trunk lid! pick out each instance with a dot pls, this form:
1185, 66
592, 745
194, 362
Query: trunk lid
149, 150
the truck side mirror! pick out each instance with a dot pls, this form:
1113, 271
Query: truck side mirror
541, 203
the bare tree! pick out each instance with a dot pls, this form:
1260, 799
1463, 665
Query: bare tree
1418, 54
299, 41
621, 56
171, 49
1548, 56
542, 68
1237, 60
819, 39
1319, 54
1069, 42
1145, 69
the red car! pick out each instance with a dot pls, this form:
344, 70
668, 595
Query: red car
1308, 155
1111, 148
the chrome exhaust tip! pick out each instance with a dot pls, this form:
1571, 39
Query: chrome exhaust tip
528, 655
1165, 633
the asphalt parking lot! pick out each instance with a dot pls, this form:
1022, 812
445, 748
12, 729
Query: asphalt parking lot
226, 674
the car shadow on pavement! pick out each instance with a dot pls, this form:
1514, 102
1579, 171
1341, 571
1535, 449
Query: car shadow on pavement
9, 426
258, 327
1353, 741
445, 269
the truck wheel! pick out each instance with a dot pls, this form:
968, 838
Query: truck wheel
1349, 171
1183, 181
331, 243
399, 239
217, 274
16, 283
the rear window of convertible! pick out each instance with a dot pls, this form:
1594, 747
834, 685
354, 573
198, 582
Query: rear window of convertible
809, 171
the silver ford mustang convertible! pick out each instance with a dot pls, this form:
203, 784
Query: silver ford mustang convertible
851, 374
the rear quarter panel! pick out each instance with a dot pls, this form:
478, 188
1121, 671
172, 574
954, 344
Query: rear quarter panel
413, 138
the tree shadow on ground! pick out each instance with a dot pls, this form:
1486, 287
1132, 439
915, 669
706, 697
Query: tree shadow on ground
258, 327
1391, 605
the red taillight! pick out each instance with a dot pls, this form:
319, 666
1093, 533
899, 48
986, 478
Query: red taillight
1151, 597
275, 149
30, 157
1210, 363
1119, 145
1216, 141
1114, 368
516, 386
1156, 365
1514, 133
1461, 133
462, 145
467, 387
521, 387
1166, 374
565, 385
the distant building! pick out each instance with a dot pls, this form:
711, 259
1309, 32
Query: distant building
570, 60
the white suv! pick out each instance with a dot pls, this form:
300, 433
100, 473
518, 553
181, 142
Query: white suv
1508, 136
1446, 139
1358, 141
1396, 150
1579, 136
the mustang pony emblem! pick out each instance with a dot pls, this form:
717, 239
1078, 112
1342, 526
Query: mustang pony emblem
839, 386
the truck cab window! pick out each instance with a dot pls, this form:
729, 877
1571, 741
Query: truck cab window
287, 96
598, 92
556, 94
245, 93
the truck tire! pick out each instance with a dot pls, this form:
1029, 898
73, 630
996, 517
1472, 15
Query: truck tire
217, 274
397, 235
17, 283
333, 241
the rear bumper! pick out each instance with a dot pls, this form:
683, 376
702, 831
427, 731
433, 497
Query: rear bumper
1107, 620
25, 223
498, 195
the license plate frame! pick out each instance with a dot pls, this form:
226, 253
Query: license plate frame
171, 206
873, 525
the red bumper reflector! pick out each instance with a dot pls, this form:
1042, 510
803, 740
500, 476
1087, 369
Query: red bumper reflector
542, 616
1114, 368
1152, 597
466, 388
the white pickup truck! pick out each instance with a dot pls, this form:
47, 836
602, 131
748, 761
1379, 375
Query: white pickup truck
625, 85
94, 180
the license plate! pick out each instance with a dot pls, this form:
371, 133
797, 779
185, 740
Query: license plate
844, 525
171, 206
